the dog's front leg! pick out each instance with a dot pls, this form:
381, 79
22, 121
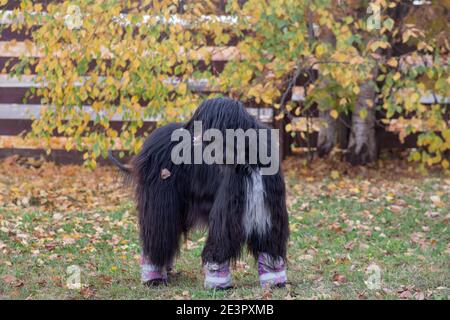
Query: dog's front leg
225, 231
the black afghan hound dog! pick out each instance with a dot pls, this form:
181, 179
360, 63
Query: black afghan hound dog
236, 202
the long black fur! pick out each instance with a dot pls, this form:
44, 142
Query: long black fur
211, 195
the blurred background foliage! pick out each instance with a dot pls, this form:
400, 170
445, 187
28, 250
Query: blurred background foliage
360, 63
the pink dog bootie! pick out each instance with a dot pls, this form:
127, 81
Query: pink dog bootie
152, 275
217, 276
272, 272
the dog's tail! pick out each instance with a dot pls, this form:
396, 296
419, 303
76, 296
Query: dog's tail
125, 170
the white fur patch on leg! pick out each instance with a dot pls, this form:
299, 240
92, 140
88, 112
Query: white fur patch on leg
257, 216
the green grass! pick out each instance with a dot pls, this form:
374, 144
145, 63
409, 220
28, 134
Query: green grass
338, 228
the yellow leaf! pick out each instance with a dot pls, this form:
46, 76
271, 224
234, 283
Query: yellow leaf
406, 35
97, 106
363, 113
416, 156
68, 146
320, 50
267, 97
86, 117
38, 7
354, 190
182, 88
334, 174
415, 97
379, 44
288, 127
334, 114
340, 57
384, 44
392, 62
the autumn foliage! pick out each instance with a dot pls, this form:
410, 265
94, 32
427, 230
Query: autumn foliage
364, 61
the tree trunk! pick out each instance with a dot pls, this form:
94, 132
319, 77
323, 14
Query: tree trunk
362, 148
332, 133
327, 134
327, 137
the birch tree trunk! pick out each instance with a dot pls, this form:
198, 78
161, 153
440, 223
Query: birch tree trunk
327, 136
327, 133
362, 148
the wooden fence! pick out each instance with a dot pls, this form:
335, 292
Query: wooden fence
16, 114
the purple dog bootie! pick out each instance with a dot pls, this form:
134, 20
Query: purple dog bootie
272, 272
217, 276
152, 275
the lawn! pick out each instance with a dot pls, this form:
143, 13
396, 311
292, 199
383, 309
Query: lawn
342, 220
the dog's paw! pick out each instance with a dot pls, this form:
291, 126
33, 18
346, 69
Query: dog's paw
220, 288
224, 288
155, 283
279, 285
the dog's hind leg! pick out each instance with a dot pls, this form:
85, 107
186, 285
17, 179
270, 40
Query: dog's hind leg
160, 220
268, 230
225, 231
159, 204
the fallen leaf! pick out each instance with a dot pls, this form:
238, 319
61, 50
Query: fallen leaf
420, 296
186, 294
267, 294
87, 292
334, 174
339, 278
105, 279
349, 245
9, 279
432, 214
12, 281
57, 216
306, 257
437, 201
406, 294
